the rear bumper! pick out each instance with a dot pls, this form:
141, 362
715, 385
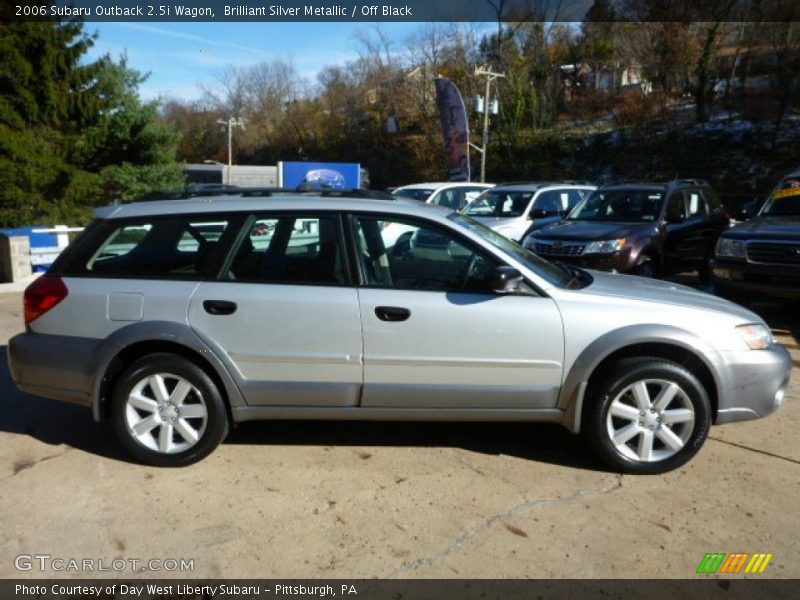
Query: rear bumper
779, 281
754, 383
53, 366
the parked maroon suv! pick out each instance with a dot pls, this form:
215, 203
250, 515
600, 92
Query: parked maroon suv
646, 229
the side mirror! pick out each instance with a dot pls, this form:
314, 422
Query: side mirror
675, 218
506, 280
538, 213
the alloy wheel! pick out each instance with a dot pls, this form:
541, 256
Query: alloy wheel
650, 420
165, 413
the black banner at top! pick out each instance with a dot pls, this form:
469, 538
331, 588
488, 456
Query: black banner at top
401, 10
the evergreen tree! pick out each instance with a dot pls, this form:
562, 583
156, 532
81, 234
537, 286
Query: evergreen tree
73, 134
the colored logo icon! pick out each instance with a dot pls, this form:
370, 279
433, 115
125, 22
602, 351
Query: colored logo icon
738, 562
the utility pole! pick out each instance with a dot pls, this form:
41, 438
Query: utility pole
230, 124
486, 71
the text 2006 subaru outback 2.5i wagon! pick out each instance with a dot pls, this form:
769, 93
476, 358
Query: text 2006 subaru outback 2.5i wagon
174, 319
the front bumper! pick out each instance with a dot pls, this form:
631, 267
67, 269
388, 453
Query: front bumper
753, 383
53, 366
779, 281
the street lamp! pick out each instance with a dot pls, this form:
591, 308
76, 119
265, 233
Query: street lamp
230, 123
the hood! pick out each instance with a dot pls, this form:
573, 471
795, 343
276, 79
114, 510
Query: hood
764, 227
491, 221
593, 230
654, 290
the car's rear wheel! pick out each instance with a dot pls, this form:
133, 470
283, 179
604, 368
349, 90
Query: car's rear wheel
166, 411
649, 416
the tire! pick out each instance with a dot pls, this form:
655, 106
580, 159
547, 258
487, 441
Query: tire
632, 392
704, 273
645, 268
175, 405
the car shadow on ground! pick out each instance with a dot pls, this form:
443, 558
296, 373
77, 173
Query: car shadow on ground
50, 421
539, 442
56, 423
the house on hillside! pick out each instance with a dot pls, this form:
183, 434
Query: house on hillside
612, 76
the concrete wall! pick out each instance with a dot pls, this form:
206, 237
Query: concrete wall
15, 258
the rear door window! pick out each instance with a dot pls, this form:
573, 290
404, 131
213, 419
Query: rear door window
291, 249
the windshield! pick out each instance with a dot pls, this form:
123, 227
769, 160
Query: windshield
619, 205
499, 203
420, 194
552, 273
785, 200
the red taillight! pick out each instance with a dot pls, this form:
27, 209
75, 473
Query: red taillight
42, 295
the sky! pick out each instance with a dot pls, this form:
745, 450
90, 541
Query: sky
181, 57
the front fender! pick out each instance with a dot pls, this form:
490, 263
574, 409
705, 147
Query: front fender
573, 390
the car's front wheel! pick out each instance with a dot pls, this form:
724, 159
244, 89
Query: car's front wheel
166, 411
645, 267
649, 416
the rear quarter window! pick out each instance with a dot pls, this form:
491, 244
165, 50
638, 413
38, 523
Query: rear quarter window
174, 247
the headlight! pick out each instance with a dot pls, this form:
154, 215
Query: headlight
729, 247
757, 337
605, 247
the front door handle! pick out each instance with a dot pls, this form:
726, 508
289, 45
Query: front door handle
392, 313
219, 307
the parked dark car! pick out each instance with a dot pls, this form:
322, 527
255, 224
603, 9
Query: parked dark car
646, 229
762, 255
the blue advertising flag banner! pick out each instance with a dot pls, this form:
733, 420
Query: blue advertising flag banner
455, 128
319, 175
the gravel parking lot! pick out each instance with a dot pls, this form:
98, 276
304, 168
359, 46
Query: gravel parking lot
362, 500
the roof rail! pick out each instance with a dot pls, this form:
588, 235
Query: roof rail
261, 192
351, 193
264, 192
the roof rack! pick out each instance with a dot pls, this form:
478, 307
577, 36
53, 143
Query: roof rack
261, 192
265, 192
352, 193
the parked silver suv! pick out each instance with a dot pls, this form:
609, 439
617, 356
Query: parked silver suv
173, 320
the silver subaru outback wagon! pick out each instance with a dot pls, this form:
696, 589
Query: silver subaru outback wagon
174, 320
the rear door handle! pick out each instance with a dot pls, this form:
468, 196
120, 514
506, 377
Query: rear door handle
219, 307
392, 313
